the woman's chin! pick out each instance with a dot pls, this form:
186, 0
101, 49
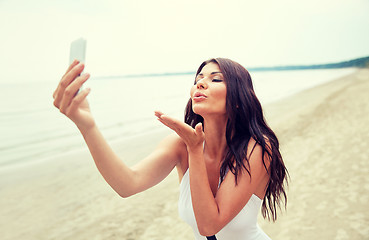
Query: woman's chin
198, 110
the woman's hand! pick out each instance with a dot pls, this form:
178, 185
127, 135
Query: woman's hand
71, 104
193, 138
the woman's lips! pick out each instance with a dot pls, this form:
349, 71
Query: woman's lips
198, 96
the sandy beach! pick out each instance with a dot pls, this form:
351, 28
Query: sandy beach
323, 133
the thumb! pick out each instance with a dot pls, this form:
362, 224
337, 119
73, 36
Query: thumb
198, 128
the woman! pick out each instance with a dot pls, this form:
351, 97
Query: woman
227, 158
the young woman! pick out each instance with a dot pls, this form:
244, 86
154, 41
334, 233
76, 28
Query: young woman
227, 158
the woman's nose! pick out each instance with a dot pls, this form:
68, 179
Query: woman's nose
201, 84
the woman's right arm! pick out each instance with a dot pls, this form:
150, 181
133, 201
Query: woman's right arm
124, 180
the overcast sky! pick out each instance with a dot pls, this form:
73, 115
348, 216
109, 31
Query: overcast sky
138, 36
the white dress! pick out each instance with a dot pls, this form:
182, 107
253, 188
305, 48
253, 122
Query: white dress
242, 227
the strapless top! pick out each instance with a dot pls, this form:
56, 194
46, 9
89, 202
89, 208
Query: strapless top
243, 226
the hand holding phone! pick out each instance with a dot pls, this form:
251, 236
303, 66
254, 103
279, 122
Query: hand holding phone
75, 106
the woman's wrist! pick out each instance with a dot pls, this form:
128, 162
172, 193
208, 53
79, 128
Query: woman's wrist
196, 149
86, 129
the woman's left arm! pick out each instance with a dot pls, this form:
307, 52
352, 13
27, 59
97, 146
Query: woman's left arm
213, 213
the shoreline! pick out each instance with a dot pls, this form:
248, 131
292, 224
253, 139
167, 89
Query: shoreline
66, 198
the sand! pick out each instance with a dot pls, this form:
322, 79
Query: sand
324, 140
323, 132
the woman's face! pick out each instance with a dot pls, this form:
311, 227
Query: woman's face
209, 91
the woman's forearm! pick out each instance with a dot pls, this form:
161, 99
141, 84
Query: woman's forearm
117, 174
204, 204
75, 106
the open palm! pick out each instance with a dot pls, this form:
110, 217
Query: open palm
192, 137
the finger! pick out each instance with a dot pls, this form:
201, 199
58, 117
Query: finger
198, 128
158, 113
182, 129
182, 134
57, 97
172, 122
168, 125
65, 81
166, 120
78, 100
71, 90
162, 116
55, 92
74, 63
71, 75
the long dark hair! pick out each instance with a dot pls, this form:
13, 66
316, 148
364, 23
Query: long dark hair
246, 121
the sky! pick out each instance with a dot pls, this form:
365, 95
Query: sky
129, 37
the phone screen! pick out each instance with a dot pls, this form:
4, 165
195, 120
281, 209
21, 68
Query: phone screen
78, 50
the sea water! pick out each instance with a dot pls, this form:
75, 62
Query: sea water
32, 129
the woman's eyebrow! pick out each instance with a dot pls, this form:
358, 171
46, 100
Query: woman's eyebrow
212, 73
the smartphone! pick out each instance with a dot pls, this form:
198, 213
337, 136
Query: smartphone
78, 51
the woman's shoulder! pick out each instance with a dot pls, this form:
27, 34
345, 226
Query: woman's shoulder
172, 139
254, 143
256, 151
176, 145
173, 142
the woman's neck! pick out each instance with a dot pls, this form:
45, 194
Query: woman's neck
215, 137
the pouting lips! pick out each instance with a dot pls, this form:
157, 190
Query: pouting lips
199, 94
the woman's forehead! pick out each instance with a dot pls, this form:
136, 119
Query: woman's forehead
210, 68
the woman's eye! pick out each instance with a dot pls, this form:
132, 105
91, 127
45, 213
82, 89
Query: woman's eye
217, 80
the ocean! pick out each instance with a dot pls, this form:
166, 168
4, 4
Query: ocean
32, 129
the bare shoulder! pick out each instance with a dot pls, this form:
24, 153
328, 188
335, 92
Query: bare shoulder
253, 147
173, 145
177, 147
256, 151
172, 142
